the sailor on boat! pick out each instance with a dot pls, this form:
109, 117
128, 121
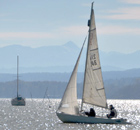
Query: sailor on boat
113, 112
91, 113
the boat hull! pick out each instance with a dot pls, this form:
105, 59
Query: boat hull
17, 102
66, 118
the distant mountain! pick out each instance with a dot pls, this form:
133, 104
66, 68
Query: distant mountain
120, 60
60, 59
39, 59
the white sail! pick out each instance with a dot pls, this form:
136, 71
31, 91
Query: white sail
93, 91
69, 103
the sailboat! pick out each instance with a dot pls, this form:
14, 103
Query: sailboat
18, 101
93, 89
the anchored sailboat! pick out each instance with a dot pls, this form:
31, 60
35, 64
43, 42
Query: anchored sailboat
18, 101
93, 90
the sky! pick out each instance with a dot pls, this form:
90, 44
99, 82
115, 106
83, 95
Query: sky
37, 23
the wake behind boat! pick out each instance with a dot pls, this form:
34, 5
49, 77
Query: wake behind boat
93, 89
18, 101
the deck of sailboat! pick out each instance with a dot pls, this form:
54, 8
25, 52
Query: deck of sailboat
66, 118
17, 102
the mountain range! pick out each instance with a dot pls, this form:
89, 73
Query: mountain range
60, 59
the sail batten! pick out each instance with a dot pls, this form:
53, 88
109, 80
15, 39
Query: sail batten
93, 89
92, 29
94, 49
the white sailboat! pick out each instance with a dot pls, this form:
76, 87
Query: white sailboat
18, 101
93, 90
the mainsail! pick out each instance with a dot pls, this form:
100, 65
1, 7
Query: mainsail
93, 90
69, 103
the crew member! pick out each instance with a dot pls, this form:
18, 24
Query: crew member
113, 112
91, 113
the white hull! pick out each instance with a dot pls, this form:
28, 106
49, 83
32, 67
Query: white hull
18, 102
66, 118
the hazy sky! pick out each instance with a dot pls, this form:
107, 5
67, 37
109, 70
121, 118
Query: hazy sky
38, 23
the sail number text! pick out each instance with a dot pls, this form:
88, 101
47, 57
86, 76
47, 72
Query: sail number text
93, 60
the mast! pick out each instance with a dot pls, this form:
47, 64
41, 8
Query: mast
87, 51
17, 73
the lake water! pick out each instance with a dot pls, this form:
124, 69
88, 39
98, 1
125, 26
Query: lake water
40, 115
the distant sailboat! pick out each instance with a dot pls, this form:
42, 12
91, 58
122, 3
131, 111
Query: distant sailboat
93, 90
18, 101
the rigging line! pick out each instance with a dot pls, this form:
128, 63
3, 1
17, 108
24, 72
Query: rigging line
45, 94
84, 42
49, 100
47, 97
31, 96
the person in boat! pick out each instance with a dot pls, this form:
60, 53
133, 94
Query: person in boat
91, 113
113, 112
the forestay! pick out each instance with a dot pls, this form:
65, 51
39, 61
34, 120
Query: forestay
69, 103
93, 91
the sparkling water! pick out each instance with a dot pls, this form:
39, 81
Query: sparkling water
39, 114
